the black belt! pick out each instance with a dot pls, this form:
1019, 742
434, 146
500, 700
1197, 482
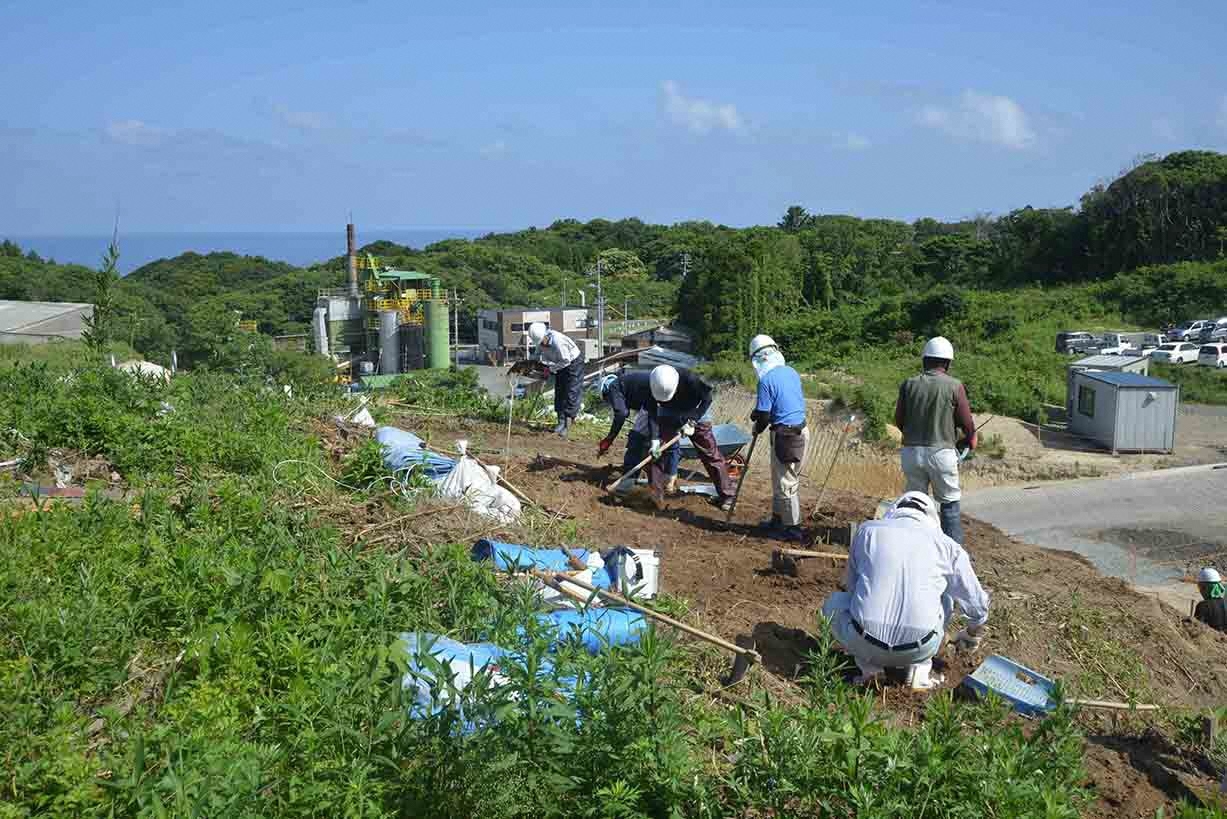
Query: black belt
793, 427
874, 641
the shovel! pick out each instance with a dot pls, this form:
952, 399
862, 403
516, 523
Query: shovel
741, 479
635, 469
744, 657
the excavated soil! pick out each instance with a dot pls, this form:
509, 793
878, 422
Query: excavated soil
1052, 611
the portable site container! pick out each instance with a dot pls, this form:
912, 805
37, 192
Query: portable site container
1123, 411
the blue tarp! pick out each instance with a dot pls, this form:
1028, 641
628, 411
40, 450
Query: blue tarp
403, 450
513, 555
598, 628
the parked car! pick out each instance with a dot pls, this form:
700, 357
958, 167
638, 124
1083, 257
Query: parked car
1207, 332
1187, 331
1212, 355
1219, 334
1121, 343
1176, 352
1075, 342
1148, 344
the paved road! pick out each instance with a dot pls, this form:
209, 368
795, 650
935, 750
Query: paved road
1144, 527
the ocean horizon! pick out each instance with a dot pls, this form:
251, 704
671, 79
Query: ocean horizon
298, 248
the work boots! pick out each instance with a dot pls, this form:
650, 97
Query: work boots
564, 426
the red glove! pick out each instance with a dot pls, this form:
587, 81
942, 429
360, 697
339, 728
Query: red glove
603, 446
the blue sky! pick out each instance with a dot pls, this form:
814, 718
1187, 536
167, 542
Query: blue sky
272, 115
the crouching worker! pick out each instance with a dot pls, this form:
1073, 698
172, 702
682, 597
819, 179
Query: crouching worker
904, 577
780, 406
681, 402
564, 359
626, 391
1212, 610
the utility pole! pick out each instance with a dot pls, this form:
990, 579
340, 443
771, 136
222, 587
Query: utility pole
600, 310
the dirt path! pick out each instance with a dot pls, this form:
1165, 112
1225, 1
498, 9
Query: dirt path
1052, 611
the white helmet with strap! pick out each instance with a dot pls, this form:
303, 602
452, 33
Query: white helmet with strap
1209, 575
939, 347
536, 332
761, 342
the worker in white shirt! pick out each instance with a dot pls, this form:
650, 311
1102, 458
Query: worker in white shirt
904, 577
563, 358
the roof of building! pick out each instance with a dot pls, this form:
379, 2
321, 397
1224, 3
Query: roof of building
1130, 380
1108, 361
16, 316
662, 332
659, 355
403, 275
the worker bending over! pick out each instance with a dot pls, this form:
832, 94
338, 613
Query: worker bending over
929, 408
626, 391
904, 577
1212, 610
781, 406
565, 360
681, 402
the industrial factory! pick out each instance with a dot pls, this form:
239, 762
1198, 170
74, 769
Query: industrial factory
384, 321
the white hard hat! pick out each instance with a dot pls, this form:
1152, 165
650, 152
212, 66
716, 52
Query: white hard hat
664, 382
536, 332
761, 342
917, 506
939, 347
1208, 575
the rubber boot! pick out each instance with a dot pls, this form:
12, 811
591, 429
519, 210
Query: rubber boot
920, 676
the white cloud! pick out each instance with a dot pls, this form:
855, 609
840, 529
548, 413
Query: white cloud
135, 132
851, 141
984, 117
301, 120
494, 149
699, 116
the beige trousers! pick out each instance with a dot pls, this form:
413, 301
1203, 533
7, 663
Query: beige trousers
786, 485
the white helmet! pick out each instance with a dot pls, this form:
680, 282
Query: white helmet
939, 347
536, 332
664, 382
917, 506
761, 342
1208, 575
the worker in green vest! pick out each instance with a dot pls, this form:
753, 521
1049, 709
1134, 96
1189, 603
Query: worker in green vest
930, 408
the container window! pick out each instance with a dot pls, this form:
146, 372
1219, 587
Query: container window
1086, 400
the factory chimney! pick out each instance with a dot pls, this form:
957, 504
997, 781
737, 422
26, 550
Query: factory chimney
351, 258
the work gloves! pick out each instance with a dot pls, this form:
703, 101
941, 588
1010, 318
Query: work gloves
655, 450
603, 446
761, 421
969, 638
688, 428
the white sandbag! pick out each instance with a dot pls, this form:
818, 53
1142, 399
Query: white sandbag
470, 481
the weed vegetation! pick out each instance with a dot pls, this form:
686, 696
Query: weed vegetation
208, 645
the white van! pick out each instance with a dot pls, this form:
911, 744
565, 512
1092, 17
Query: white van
1212, 355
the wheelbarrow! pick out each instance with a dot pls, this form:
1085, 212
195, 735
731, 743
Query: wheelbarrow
730, 440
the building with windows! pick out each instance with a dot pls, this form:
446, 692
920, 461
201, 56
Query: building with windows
502, 335
1124, 411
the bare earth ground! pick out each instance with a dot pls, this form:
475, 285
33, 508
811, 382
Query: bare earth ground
1052, 611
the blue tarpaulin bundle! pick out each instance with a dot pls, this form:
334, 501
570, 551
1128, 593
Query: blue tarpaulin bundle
598, 628
508, 556
403, 450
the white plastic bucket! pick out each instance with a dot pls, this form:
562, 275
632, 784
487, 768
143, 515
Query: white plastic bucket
634, 572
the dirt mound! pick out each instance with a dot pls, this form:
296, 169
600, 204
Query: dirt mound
1052, 611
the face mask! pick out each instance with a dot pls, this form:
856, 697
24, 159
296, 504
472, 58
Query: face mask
767, 360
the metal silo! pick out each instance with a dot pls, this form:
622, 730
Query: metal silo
389, 342
437, 331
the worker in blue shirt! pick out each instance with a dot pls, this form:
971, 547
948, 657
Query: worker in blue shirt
781, 406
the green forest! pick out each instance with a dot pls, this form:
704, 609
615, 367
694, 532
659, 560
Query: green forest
836, 290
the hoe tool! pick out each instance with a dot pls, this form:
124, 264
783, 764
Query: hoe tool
741, 479
743, 657
784, 561
635, 469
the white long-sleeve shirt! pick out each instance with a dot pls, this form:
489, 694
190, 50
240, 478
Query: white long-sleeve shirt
904, 574
559, 353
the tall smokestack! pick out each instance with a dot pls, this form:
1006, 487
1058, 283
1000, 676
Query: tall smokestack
351, 258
